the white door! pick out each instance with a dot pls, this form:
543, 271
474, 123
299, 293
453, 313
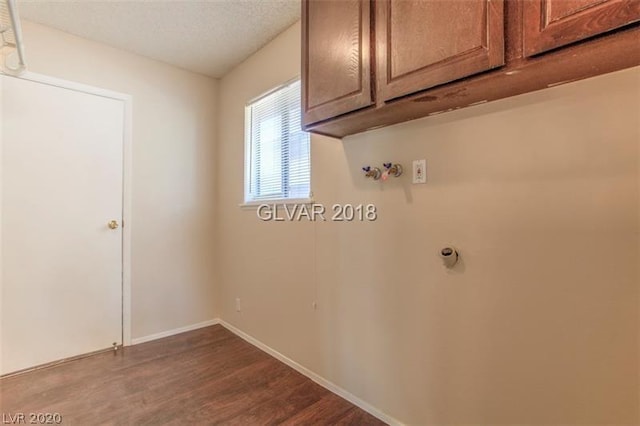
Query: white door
62, 182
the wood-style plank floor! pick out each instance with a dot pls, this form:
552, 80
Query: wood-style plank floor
206, 376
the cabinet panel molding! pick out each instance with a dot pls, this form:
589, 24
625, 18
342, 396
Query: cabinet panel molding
422, 44
336, 58
549, 24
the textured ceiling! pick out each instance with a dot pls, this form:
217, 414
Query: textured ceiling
208, 37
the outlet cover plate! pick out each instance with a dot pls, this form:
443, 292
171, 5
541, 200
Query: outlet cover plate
420, 171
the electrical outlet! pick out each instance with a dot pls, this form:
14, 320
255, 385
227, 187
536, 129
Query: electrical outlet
238, 304
419, 171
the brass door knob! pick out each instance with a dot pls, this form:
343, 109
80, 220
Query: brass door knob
113, 224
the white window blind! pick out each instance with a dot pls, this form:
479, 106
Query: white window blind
277, 152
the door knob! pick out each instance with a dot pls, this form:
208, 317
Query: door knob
113, 224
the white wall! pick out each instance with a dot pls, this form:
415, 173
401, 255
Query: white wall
174, 125
540, 193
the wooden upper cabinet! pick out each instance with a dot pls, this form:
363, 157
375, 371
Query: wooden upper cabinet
549, 24
336, 57
372, 63
421, 44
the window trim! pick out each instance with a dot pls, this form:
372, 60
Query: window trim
248, 152
252, 205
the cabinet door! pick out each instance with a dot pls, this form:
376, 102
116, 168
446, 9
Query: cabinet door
336, 58
424, 43
553, 23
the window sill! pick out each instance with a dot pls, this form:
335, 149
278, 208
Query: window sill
253, 205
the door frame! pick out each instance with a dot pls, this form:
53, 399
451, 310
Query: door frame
127, 101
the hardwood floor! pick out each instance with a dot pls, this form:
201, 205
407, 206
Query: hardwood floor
206, 376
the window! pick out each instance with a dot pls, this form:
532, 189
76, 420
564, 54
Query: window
277, 151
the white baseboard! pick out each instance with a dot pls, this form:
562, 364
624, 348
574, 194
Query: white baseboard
313, 376
179, 330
